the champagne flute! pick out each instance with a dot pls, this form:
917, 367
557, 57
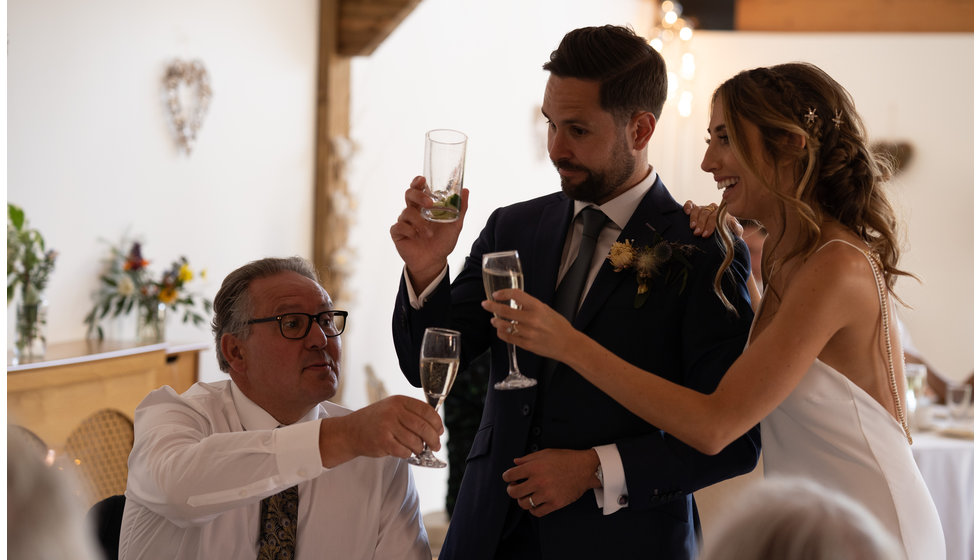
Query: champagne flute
503, 270
438, 364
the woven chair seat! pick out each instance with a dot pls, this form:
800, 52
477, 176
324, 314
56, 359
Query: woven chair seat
99, 449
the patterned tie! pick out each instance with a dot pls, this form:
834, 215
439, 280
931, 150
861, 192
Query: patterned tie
570, 288
277, 525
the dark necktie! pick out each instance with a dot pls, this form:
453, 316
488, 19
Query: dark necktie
277, 525
569, 291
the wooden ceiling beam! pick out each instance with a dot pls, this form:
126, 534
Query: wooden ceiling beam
906, 16
363, 24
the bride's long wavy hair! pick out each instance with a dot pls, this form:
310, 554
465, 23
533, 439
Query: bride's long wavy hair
838, 175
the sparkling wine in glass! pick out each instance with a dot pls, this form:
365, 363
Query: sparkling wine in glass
438, 364
503, 270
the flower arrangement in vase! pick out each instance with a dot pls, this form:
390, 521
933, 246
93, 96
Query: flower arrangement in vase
29, 264
128, 285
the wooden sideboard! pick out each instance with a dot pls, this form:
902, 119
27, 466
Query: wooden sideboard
52, 396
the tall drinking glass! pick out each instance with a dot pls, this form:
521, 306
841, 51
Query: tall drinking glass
438, 364
503, 270
445, 159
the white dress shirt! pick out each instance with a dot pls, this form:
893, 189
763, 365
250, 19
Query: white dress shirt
619, 211
203, 461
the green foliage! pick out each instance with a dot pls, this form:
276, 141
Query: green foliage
28, 263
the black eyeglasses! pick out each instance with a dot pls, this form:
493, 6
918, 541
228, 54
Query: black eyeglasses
297, 325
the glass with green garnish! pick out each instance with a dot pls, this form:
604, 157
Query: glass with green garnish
445, 158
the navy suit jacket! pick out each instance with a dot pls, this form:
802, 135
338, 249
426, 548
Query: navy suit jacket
683, 334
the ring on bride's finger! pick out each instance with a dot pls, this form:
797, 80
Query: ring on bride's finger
530, 500
512, 330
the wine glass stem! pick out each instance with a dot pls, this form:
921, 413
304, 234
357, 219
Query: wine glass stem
512, 354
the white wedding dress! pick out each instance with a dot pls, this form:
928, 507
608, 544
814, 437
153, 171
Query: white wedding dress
832, 431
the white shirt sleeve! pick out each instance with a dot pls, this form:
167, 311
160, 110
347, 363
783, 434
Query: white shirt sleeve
185, 471
611, 497
416, 301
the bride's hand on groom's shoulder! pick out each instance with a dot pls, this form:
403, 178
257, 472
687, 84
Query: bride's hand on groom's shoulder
704, 219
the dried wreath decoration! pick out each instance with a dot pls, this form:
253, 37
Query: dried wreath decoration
187, 122
651, 261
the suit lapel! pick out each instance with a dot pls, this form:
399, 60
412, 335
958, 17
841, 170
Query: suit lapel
544, 260
655, 208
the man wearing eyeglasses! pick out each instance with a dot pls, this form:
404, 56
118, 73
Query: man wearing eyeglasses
262, 465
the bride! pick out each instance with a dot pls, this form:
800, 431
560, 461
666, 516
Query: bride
823, 367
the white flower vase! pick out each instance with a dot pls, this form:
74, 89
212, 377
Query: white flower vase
151, 323
30, 341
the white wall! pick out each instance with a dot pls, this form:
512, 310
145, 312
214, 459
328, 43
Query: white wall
90, 155
476, 66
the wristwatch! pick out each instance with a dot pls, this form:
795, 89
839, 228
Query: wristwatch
598, 474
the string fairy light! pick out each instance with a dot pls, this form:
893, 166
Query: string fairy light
671, 37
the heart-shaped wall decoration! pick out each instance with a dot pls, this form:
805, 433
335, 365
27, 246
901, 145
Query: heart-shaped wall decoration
186, 121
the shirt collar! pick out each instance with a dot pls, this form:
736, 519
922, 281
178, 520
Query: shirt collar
620, 209
254, 417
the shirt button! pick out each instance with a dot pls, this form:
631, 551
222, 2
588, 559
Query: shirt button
536, 431
526, 409
623, 500
534, 447
242, 493
301, 472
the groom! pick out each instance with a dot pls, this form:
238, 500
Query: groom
610, 485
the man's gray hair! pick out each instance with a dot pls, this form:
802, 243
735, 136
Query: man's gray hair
233, 305
786, 517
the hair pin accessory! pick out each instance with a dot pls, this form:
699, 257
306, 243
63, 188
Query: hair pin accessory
837, 119
811, 116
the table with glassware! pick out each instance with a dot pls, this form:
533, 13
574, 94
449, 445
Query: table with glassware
943, 451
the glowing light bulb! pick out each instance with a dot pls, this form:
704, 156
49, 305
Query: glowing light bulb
686, 33
657, 44
685, 103
670, 18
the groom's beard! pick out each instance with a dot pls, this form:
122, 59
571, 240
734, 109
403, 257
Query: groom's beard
598, 184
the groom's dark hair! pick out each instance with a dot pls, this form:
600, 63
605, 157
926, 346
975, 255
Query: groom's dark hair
632, 75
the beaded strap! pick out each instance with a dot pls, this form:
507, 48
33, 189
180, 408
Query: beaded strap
880, 283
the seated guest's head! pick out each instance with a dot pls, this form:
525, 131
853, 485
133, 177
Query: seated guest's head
276, 332
45, 519
796, 518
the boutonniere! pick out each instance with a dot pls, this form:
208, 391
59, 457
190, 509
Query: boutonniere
652, 261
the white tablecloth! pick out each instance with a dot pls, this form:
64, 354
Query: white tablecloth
946, 465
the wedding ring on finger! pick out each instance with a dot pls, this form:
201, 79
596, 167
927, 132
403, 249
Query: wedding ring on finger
530, 500
712, 207
512, 330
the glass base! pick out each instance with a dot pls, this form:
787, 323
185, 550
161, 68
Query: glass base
440, 214
426, 459
515, 381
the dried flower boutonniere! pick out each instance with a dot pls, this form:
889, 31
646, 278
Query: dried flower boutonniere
651, 261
